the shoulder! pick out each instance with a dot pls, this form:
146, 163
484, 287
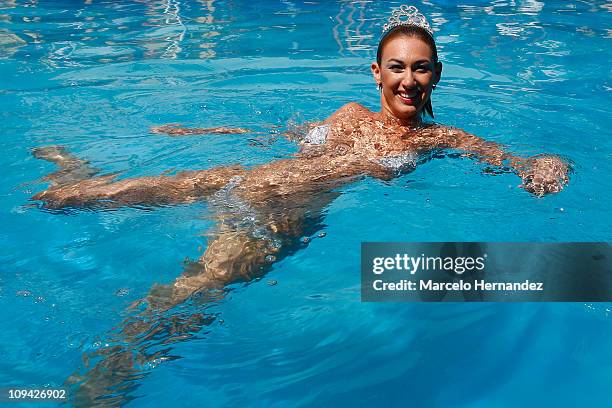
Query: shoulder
351, 109
354, 107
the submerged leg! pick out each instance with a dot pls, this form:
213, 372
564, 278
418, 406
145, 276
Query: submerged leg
146, 339
248, 239
74, 185
231, 257
237, 253
72, 169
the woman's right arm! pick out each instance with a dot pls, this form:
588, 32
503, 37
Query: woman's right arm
174, 129
295, 133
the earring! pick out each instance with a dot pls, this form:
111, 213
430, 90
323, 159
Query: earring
379, 86
433, 86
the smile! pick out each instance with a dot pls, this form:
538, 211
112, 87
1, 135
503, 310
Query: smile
408, 97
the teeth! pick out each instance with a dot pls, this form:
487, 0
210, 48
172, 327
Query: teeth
405, 95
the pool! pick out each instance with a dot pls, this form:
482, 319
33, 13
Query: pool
96, 75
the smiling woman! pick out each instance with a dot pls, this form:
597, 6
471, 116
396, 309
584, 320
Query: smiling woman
407, 70
263, 211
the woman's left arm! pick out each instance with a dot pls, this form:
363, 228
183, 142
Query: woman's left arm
541, 174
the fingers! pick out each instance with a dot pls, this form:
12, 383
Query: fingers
539, 187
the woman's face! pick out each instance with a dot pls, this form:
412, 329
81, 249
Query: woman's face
407, 73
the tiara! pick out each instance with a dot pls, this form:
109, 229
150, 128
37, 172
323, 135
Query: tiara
407, 16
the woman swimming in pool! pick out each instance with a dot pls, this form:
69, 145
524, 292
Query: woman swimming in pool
352, 143
264, 211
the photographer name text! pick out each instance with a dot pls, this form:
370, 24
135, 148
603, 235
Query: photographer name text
460, 285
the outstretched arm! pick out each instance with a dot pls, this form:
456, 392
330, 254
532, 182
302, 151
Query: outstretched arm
541, 174
175, 129
294, 132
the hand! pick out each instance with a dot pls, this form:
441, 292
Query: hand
545, 174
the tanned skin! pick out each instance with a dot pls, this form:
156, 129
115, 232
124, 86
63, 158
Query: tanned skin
357, 141
282, 201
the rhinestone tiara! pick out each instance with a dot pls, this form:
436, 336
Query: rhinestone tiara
407, 16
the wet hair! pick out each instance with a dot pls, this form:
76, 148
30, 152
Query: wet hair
410, 31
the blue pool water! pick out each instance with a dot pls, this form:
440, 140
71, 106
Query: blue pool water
95, 75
